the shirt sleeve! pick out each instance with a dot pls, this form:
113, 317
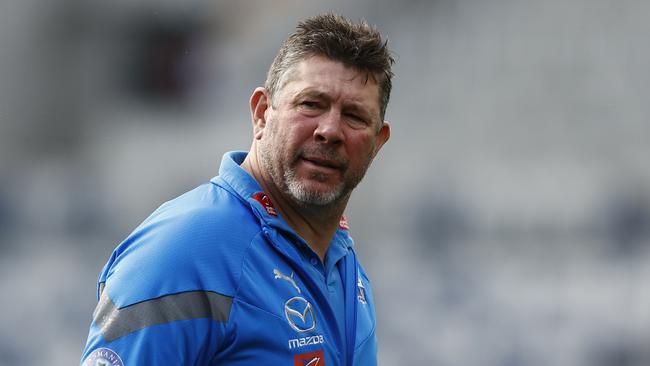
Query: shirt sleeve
175, 329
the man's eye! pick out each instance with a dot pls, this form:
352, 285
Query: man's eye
309, 104
356, 118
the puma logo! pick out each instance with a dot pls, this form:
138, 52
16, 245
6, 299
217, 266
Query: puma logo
280, 276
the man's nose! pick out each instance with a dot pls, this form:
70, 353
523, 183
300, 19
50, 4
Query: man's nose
329, 129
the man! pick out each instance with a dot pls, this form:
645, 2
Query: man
257, 266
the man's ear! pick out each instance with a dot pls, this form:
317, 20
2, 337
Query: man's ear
259, 103
382, 136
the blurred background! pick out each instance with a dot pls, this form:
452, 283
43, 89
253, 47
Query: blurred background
506, 222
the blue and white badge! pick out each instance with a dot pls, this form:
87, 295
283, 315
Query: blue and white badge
361, 294
103, 357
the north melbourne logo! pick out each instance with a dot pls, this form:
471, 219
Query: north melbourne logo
362, 291
103, 357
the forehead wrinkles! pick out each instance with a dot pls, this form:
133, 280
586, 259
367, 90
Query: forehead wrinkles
332, 93
350, 74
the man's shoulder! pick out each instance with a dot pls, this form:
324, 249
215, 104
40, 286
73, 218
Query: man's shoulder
206, 203
194, 242
208, 217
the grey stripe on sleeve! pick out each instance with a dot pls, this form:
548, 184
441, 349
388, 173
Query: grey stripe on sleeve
115, 323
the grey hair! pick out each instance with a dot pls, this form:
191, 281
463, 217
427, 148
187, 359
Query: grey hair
357, 45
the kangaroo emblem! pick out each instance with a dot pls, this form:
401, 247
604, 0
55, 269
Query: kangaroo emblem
280, 276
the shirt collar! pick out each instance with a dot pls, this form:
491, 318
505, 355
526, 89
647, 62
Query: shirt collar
235, 176
245, 186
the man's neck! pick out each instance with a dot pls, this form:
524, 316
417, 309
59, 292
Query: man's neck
315, 224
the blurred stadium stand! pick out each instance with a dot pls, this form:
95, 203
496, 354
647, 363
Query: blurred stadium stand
507, 222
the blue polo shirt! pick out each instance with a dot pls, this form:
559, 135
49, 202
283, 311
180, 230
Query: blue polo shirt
217, 277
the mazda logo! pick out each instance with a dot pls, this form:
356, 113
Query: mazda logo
300, 314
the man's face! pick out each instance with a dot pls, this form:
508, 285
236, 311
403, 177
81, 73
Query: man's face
322, 131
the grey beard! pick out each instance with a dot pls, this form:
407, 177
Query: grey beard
291, 186
310, 198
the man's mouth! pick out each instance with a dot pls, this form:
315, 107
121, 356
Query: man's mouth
326, 163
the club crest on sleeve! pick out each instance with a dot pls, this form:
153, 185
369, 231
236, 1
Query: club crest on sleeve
103, 357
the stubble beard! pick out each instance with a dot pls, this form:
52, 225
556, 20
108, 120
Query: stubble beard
287, 181
307, 197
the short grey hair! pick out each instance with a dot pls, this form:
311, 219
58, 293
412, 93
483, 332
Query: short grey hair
357, 45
